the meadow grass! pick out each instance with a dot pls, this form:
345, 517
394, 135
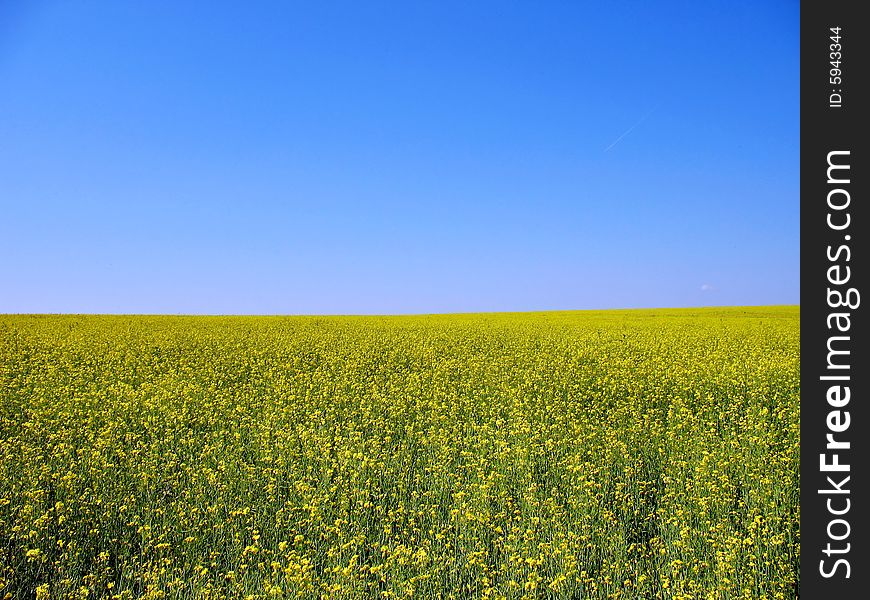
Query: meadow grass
613, 454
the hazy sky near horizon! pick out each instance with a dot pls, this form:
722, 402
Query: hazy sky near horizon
394, 157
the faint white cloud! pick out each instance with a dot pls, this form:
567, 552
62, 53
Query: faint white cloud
630, 129
707, 287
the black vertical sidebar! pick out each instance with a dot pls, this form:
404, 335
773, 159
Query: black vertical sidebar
835, 371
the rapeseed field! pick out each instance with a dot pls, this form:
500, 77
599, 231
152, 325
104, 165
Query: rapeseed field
617, 454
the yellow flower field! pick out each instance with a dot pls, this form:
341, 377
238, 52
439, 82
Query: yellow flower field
614, 454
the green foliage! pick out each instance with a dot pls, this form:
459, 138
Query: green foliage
619, 454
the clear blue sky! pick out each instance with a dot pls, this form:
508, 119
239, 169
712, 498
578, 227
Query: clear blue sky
374, 157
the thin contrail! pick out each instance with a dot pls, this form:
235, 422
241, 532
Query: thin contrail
632, 128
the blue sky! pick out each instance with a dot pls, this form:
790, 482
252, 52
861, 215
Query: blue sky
387, 157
